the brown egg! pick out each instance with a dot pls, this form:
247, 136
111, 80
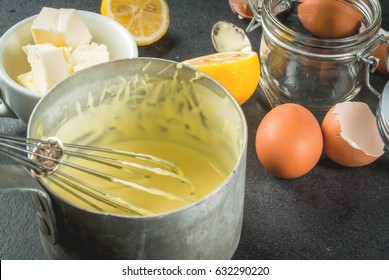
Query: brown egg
351, 136
289, 141
329, 19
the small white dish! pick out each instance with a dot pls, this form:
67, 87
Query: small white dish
19, 101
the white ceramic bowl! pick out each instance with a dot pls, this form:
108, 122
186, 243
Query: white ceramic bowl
13, 60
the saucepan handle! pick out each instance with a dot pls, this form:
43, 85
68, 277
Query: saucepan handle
15, 177
18, 178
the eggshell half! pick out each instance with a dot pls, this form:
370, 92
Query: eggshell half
351, 136
242, 8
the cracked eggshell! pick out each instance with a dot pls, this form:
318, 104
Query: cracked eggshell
242, 8
383, 31
350, 133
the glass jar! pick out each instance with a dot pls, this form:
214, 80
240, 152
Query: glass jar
301, 64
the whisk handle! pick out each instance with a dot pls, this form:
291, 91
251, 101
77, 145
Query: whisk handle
18, 178
15, 177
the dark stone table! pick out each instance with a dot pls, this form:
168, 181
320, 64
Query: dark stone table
333, 212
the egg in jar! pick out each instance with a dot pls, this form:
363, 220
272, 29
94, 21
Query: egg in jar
289, 141
330, 19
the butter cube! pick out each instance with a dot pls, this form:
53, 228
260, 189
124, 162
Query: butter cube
49, 64
26, 80
60, 27
89, 55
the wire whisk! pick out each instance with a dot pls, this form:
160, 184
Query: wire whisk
45, 157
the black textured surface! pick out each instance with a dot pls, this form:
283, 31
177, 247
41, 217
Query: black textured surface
331, 213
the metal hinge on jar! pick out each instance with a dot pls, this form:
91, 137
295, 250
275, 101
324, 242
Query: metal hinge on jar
256, 8
365, 54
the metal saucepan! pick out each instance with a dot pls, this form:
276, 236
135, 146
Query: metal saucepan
206, 229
